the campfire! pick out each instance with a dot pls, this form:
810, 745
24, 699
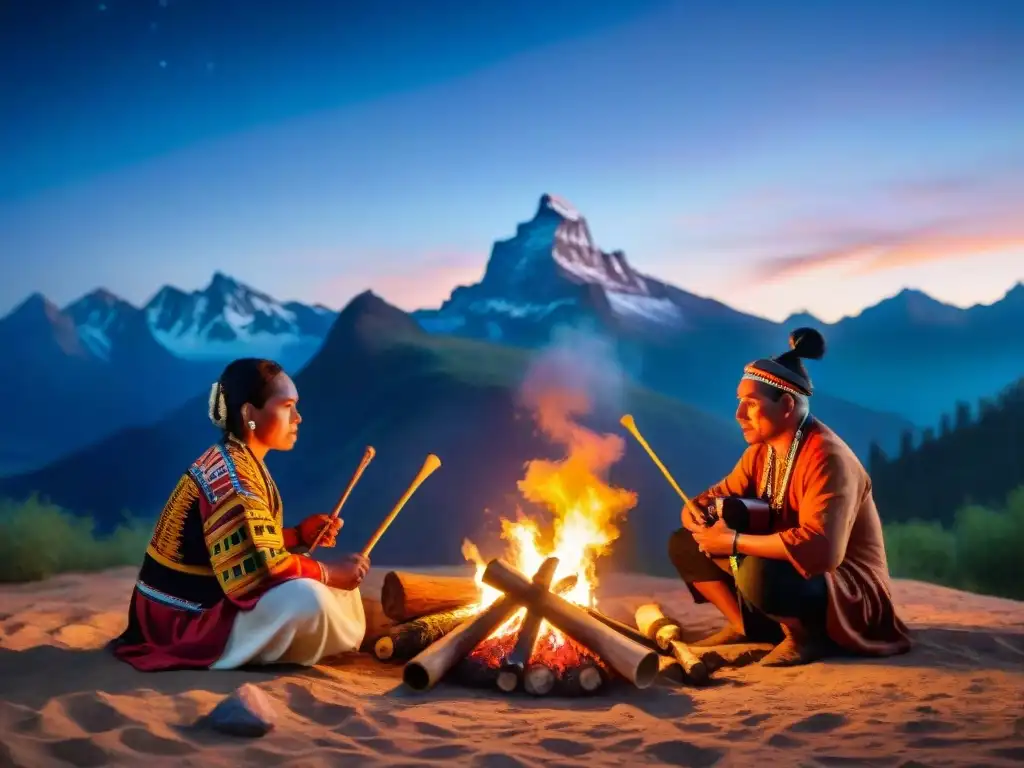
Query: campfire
529, 620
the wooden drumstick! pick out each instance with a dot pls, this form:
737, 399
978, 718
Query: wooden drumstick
368, 455
629, 423
431, 464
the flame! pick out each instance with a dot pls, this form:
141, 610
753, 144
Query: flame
584, 509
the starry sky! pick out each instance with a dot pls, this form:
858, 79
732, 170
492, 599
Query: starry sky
782, 156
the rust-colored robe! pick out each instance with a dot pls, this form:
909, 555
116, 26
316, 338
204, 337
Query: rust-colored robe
830, 526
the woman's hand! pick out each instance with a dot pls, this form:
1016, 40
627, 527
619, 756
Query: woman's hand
310, 528
715, 541
349, 573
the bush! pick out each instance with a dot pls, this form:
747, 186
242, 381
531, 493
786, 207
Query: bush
38, 539
980, 553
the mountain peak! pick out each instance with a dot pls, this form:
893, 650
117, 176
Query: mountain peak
559, 206
222, 283
803, 318
36, 321
914, 306
369, 312
364, 326
35, 306
100, 298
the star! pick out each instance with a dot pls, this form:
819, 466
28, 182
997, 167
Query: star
163, 64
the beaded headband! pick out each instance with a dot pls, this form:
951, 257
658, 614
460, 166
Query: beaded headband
757, 374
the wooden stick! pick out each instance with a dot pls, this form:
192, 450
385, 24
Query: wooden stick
634, 662
667, 633
630, 424
429, 466
368, 455
513, 669
406, 596
423, 671
406, 640
633, 634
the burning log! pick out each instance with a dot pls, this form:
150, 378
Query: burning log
432, 663
567, 584
405, 640
667, 633
634, 662
406, 596
513, 670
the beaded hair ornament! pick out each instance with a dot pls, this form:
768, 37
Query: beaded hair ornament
218, 410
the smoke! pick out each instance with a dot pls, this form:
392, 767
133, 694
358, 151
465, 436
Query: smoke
582, 366
565, 382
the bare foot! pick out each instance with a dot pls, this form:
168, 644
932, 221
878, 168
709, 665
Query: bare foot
791, 653
727, 635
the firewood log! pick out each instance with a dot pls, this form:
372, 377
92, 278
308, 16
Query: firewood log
403, 641
667, 634
513, 668
538, 679
581, 680
474, 673
424, 670
624, 629
407, 596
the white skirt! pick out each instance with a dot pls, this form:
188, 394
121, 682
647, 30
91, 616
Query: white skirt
298, 622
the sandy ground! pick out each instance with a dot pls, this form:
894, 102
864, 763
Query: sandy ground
957, 699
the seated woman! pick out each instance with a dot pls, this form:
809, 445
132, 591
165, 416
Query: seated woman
219, 586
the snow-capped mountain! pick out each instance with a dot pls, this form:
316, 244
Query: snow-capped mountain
228, 319
552, 272
112, 365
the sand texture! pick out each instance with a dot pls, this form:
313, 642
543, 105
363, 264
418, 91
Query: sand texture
957, 699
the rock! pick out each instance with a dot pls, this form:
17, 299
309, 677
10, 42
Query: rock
246, 712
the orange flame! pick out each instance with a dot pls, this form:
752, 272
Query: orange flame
584, 508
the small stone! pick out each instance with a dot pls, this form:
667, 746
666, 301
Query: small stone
246, 712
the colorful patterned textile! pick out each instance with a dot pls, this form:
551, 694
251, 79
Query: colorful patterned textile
217, 547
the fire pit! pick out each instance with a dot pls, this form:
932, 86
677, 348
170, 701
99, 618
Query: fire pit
576, 653
532, 623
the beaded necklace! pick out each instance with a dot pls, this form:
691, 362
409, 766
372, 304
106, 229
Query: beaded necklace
776, 495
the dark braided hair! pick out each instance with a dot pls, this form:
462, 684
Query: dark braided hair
246, 380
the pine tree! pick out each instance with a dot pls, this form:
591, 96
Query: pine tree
977, 461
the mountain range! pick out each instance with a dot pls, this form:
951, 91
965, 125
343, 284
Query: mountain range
77, 373
102, 388
380, 379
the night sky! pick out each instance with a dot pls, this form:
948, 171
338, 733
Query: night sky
778, 156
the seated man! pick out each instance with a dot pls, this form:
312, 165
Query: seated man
219, 587
811, 572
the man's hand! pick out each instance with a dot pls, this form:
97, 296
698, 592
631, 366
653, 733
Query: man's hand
349, 573
310, 528
715, 541
692, 518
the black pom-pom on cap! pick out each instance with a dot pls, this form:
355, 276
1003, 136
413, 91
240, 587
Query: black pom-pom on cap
807, 343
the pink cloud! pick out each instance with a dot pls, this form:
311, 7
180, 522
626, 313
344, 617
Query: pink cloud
415, 281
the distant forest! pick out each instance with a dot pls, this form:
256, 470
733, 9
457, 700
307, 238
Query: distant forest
974, 459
